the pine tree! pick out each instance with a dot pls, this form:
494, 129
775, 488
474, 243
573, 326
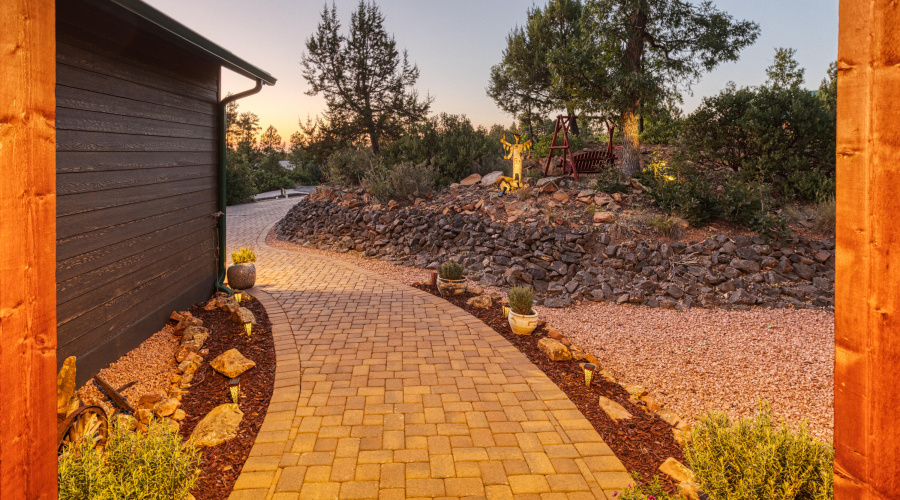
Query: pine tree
270, 141
785, 72
368, 86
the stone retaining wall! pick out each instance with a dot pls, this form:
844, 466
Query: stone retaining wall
566, 264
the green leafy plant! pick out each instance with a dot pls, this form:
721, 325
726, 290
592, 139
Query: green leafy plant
450, 270
754, 458
521, 298
612, 180
149, 465
654, 490
243, 256
349, 165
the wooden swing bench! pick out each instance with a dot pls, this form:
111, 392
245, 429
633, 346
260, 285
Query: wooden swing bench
588, 162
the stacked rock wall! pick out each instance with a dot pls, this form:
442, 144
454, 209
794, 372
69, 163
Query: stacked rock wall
566, 264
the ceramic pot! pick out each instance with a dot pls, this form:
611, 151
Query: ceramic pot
241, 276
522, 324
451, 287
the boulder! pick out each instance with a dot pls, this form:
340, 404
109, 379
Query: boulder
614, 410
470, 180
243, 315
481, 302
561, 196
604, 217
166, 407
65, 386
491, 178
220, 425
554, 349
674, 469
231, 363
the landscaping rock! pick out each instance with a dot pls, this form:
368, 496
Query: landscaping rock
166, 407
148, 401
220, 425
481, 302
470, 180
674, 469
560, 196
554, 349
243, 315
604, 217
614, 410
491, 178
231, 363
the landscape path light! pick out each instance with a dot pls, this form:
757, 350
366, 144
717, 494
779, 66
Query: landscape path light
234, 387
237, 295
506, 309
589, 369
248, 327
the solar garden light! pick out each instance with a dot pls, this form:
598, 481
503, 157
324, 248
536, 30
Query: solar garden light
506, 309
589, 369
237, 295
234, 387
248, 327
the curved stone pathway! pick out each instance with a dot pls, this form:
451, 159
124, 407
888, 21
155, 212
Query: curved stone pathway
383, 391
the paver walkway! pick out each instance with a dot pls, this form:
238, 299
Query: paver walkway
385, 391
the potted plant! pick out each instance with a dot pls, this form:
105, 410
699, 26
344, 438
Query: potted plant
450, 279
522, 319
242, 272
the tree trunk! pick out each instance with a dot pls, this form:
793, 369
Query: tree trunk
573, 124
373, 138
631, 144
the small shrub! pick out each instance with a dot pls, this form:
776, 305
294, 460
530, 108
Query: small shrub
378, 182
755, 459
678, 188
451, 270
654, 490
238, 181
243, 256
668, 226
350, 165
305, 173
521, 298
412, 181
523, 194
611, 180
811, 185
150, 465
825, 215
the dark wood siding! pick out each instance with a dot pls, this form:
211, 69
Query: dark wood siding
136, 183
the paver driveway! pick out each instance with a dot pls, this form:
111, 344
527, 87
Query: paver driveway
384, 391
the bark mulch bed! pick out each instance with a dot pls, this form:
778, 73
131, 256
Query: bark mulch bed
642, 443
222, 464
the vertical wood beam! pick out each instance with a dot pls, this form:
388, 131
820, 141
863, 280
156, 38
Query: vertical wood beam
867, 288
27, 249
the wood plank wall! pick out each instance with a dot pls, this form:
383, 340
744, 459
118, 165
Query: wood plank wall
136, 178
27, 220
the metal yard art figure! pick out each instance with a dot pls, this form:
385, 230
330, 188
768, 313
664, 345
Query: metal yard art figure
514, 151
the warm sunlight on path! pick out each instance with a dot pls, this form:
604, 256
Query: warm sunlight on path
402, 394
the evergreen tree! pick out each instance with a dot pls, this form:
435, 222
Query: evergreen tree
632, 53
785, 72
828, 89
368, 87
270, 142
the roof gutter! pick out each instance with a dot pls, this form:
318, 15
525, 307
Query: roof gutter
223, 147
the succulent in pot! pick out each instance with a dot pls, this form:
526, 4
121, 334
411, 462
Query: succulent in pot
522, 318
451, 280
242, 272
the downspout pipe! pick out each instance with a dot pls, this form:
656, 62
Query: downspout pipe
223, 147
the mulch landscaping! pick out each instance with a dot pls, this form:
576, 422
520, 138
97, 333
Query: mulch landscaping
222, 464
642, 443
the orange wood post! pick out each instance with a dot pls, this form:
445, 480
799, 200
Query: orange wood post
867, 332
27, 250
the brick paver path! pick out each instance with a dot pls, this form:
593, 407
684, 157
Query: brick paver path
384, 391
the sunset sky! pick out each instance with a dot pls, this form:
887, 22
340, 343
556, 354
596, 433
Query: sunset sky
455, 43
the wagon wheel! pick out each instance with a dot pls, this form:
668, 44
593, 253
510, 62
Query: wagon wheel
87, 422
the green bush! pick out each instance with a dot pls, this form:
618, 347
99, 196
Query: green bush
149, 465
754, 459
783, 135
349, 166
521, 299
668, 226
242, 256
680, 189
542, 146
749, 203
404, 182
451, 270
449, 143
238, 181
306, 173
612, 180
639, 491
662, 124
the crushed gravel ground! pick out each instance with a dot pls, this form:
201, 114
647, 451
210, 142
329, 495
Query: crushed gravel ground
150, 363
695, 361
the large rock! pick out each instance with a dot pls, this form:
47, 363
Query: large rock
554, 349
491, 178
614, 410
481, 302
561, 196
242, 315
220, 425
604, 217
65, 385
674, 469
231, 363
470, 180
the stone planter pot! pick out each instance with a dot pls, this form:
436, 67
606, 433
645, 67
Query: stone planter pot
452, 287
241, 276
522, 324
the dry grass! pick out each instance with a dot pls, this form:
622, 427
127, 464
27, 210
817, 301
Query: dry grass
668, 226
